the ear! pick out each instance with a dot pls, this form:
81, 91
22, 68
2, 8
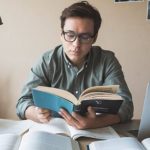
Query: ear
95, 38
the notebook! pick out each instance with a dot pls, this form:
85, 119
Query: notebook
144, 128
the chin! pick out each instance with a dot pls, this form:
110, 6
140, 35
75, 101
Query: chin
74, 60
74, 57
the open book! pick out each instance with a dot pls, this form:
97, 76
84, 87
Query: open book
15, 135
124, 143
29, 135
102, 98
54, 126
59, 126
15, 126
37, 141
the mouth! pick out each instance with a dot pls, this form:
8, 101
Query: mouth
76, 53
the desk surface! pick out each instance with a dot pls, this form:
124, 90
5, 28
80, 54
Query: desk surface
128, 126
123, 129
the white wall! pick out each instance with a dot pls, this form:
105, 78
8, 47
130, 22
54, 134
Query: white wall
33, 26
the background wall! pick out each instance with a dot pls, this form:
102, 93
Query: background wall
33, 26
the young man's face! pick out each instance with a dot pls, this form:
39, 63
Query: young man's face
77, 38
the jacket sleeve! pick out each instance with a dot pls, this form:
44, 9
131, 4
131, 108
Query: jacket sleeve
114, 75
38, 75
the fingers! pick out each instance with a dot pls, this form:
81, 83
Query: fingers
41, 110
38, 114
65, 115
87, 120
74, 120
43, 115
69, 119
91, 112
78, 121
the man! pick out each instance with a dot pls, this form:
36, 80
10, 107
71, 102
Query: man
74, 66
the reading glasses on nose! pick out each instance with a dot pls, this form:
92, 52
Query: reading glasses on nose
71, 36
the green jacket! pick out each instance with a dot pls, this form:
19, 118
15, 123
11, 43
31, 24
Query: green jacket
54, 69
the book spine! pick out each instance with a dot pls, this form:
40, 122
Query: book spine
77, 108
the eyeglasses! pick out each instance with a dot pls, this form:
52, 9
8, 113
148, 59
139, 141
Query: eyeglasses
71, 36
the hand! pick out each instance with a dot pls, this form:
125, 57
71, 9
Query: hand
38, 114
78, 121
90, 120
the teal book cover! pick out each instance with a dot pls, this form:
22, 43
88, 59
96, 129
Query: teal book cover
51, 101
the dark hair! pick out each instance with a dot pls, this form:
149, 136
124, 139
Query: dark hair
84, 10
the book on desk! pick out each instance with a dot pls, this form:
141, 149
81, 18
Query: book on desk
37, 141
123, 143
14, 133
49, 135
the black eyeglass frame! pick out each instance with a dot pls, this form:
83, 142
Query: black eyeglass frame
80, 36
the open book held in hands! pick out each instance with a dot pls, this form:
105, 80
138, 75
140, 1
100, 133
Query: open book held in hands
102, 98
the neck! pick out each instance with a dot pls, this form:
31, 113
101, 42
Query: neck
79, 64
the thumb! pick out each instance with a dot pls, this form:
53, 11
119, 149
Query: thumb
91, 111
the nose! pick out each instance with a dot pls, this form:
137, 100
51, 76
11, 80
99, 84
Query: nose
76, 42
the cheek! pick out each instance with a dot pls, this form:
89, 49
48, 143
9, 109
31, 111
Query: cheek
86, 48
66, 45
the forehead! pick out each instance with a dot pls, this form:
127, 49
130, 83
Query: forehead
78, 24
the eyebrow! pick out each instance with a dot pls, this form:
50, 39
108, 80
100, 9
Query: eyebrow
78, 33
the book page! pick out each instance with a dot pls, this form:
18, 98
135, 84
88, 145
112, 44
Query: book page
146, 143
9, 141
46, 141
59, 126
59, 92
14, 126
55, 125
101, 95
99, 133
125, 143
107, 88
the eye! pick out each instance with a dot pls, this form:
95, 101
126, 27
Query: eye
85, 36
70, 34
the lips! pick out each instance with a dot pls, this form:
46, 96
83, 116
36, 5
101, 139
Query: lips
74, 52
